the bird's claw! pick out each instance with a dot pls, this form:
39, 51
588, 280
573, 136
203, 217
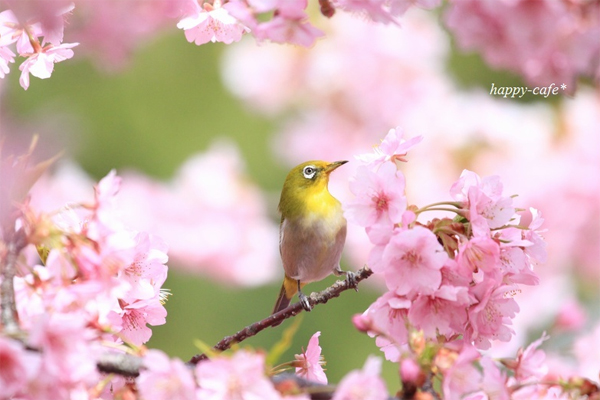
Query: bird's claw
351, 280
304, 301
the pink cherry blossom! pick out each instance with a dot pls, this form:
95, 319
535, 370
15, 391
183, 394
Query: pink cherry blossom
212, 23
441, 313
139, 313
483, 197
479, 253
380, 202
165, 379
413, 259
462, 377
492, 312
41, 64
309, 364
392, 148
288, 30
13, 367
530, 363
6, 57
241, 376
386, 318
365, 384
494, 383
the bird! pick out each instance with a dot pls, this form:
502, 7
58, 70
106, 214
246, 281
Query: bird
312, 232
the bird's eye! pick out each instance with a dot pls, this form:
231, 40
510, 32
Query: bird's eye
309, 171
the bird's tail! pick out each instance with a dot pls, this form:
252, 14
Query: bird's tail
288, 290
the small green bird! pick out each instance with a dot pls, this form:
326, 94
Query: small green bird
312, 231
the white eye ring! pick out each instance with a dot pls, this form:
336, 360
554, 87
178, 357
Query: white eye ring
309, 171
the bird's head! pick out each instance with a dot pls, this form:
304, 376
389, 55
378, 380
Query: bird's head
305, 181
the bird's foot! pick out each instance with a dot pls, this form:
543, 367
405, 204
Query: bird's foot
304, 301
350, 277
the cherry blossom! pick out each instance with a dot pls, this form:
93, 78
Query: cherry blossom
413, 259
165, 378
241, 376
309, 364
212, 23
364, 384
41, 64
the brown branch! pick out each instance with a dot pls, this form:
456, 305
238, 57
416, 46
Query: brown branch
292, 310
121, 364
8, 309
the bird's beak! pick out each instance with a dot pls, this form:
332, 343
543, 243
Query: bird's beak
329, 168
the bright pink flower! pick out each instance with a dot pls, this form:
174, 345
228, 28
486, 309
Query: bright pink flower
284, 30
441, 313
530, 363
311, 361
41, 64
165, 379
365, 384
241, 376
13, 367
139, 313
412, 261
392, 148
380, 202
492, 312
212, 23
462, 377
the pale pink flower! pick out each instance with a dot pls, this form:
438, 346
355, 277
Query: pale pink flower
386, 318
309, 364
494, 382
380, 202
571, 316
412, 261
492, 312
483, 197
6, 57
13, 367
392, 148
462, 377
139, 313
441, 313
212, 23
165, 379
587, 352
364, 384
147, 271
241, 376
530, 363
41, 64
376, 10
64, 341
286, 30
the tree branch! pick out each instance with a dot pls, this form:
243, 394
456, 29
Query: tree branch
292, 310
119, 363
8, 309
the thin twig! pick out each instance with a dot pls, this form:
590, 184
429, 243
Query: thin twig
8, 309
292, 310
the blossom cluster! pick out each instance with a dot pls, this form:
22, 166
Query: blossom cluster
215, 220
83, 283
449, 277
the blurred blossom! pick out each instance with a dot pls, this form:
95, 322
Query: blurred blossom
543, 41
364, 384
212, 218
587, 353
